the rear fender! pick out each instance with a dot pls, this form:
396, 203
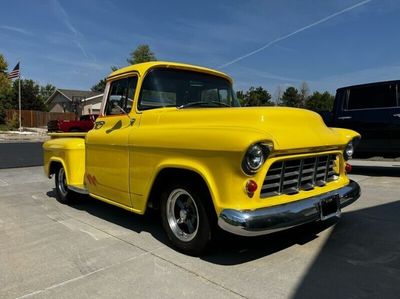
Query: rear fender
70, 153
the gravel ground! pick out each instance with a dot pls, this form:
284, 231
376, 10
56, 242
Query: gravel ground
27, 135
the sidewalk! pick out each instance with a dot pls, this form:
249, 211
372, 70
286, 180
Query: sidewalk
376, 162
27, 135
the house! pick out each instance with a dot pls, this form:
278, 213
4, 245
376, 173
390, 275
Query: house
92, 104
67, 100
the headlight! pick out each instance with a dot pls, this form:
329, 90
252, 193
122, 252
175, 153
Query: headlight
349, 149
255, 158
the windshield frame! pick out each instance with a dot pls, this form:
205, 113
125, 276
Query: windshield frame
178, 101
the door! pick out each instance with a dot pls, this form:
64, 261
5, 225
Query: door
369, 111
396, 124
107, 150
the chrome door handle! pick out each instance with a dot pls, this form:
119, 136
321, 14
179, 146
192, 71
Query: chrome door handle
396, 115
344, 117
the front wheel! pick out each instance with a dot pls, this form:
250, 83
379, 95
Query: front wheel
64, 195
186, 218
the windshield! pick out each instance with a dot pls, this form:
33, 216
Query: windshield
184, 89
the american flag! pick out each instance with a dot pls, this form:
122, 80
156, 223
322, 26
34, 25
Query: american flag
14, 73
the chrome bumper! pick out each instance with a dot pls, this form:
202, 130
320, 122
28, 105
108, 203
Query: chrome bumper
268, 220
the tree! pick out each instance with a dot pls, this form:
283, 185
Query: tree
240, 97
257, 97
46, 91
99, 86
30, 96
5, 89
141, 54
3, 65
320, 101
291, 97
304, 93
278, 95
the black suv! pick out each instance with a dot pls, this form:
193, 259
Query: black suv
373, 110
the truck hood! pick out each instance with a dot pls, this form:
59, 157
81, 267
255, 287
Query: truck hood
287, 128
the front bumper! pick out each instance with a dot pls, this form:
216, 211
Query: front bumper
268, 220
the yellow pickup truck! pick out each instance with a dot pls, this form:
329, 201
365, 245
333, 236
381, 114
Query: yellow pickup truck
172, 137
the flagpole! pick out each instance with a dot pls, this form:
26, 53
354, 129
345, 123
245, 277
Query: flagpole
19, 97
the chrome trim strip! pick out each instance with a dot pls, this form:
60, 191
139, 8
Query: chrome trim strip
272, 219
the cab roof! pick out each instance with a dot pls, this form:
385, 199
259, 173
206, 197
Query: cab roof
142, 68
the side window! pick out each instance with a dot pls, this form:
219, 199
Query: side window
209, 95
120, 96
215, 95
224, 96
377, 96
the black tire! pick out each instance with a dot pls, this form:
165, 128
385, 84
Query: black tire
191, 231
63, 194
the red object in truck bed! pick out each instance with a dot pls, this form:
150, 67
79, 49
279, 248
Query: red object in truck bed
84, 124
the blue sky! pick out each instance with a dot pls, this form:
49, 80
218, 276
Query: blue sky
328, 44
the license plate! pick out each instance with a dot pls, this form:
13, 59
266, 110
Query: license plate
330, 207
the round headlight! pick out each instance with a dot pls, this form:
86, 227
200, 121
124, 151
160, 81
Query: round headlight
254, 158
348, 151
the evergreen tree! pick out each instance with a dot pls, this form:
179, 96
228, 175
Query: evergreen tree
320, 101
257, 97
141, 54
291, 98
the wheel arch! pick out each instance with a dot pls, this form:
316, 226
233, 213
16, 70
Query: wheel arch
54, 165
171, 173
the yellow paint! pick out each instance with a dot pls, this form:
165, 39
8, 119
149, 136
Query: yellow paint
70, 152
126, 158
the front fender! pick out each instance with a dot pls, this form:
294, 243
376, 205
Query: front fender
210, 167
346, 134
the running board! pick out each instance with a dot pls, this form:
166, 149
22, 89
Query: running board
78, 189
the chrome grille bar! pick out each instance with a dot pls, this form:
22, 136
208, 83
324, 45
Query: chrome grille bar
292, 175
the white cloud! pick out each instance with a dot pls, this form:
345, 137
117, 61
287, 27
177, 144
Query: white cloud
16, 29
78, 36
284, 37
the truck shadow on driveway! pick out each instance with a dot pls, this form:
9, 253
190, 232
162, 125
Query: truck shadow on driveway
227, 249
150, 222
362, 254
361, 258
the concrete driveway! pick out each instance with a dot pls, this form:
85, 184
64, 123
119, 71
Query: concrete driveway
93, 250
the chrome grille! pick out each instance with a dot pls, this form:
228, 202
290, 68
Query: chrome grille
292, 175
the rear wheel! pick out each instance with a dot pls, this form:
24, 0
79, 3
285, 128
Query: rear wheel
186, 218
64, 195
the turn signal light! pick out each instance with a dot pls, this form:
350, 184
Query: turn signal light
348, 167
251, 187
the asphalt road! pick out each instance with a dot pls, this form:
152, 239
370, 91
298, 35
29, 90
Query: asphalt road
94, 250
24, 154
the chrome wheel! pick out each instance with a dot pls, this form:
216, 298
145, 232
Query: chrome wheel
62, 182
182, 215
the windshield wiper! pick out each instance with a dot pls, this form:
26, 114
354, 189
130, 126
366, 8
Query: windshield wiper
204, 104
